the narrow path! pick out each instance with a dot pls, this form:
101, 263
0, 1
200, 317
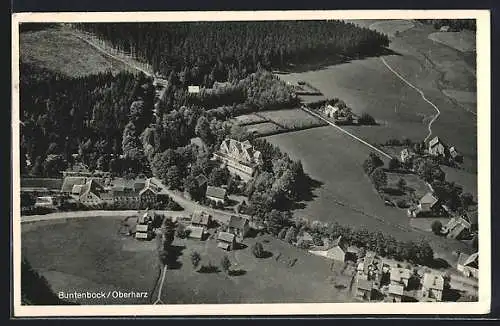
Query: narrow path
162, 281
347, 132
429, 127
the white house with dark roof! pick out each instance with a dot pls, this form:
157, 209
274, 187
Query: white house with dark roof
468, 264
406, 155
226, 240
436, 147
239, 157
239, 226
432, 288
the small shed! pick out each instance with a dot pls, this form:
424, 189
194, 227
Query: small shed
196, 232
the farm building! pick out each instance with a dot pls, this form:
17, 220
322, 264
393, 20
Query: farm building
337, 251
364, 289
201, 219
90, 193
468, 264
149, 194
437, 147
445, 28
69, 183
432, 288
45, 201
426, 205
193, 89
196, 232
369, 268
395, 293
226, 241
406, 155
331, 111
202, 180
400, 276
457, 228
216, 194
239, 226
239, 157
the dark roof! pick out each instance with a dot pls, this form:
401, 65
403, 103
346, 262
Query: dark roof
201, 179
434, 141
91, 186
200, 217
69, 182
237, 222
225, 236
216, 192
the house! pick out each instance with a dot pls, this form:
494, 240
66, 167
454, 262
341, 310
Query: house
426, 205
364, 289
395, 293
90, 193
196, 232
202, 180
457, 228
146, 217
69, 183
444, 28
370, 267
352, 253
239, 157
468, 264
305, 240
199, 143
331, 111
226, 241
45, 201
455, 154
201, 219
432, 287
337, 251
406, 155
149, 194
216, 194
193, 89
437, 147
400, 276
239, 226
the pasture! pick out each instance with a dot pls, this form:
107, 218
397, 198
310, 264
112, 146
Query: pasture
346, 194
248, 119
88, 254
292, 119
464, 41
59, 50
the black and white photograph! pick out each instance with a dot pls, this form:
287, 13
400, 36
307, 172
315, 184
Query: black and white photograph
304, 162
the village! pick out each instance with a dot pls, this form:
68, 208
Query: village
372, 277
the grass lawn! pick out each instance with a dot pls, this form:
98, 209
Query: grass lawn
88, 254
247, 119
57, 49
464, 41
413, 183
292, 119
265, 128
391, 27
255, 280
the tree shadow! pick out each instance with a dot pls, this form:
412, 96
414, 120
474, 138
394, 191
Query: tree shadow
406, 298
439, 263
322, 62
173, 254
393, 191
451, 295
240, 246
306, 194
208, 269
266, 254
252, 233
237, 272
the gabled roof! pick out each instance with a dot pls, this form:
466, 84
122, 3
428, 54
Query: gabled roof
397, 289
434, 141
472, 260
397, 274
428, 198
196, 232
151, 185
237, 222
77, 189
200, 217
456, 225
225, 236
216, 192
69, 182
201, 179
91, 186
433, 281
462, 258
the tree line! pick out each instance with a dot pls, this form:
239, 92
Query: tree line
205, 52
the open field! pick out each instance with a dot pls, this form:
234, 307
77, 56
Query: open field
58, 50
255, 280
412, 182
466, 179
88, 254
346, 194
463, 41
265, 128
248, 119
292, 119
392, 27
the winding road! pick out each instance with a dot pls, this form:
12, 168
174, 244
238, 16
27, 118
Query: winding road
438, 112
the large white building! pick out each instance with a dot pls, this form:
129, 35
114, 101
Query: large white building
239, 157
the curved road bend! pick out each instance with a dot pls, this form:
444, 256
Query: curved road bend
438, 112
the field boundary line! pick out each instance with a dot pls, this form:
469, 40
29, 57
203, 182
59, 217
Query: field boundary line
164, 272
438, 112
347, 132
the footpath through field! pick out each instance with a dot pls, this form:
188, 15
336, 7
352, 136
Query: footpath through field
347, 132
438, 112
